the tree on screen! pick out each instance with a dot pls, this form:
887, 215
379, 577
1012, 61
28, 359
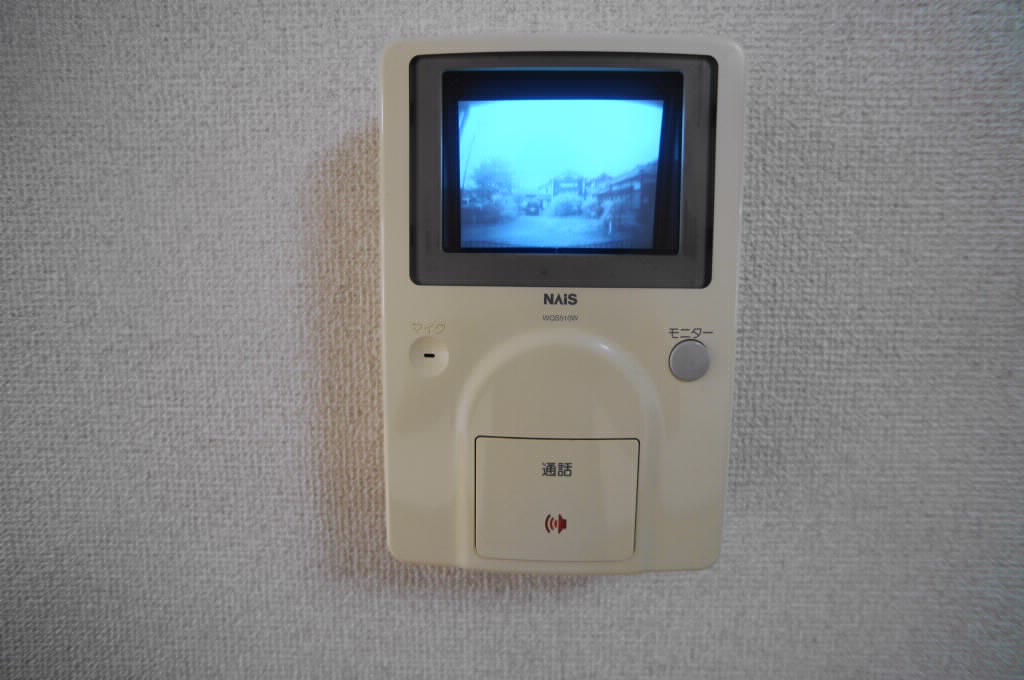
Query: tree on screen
495, 177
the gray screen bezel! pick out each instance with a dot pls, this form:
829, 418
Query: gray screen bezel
689, 267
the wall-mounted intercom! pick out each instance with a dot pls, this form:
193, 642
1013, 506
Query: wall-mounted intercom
560, 242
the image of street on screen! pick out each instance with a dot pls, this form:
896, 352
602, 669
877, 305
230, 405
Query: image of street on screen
554, 174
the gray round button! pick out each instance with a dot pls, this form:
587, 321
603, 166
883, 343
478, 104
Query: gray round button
689, 360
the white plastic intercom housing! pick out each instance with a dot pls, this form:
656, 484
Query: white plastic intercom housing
559, 405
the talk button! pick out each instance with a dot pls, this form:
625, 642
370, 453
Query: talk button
556, 499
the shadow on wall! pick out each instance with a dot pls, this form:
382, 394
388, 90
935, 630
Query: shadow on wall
343, 254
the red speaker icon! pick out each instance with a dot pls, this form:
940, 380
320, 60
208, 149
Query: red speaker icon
551, 524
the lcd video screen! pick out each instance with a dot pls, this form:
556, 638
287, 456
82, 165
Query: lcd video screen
551, 174
561, 169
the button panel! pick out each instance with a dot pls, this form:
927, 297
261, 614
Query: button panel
556, 499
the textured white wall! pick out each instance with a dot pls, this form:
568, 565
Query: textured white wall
190, 480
